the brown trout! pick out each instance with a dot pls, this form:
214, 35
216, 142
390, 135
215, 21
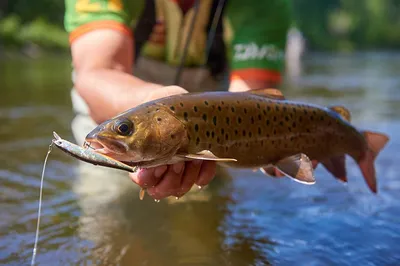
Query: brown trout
258, 129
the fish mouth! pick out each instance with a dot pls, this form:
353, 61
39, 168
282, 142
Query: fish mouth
106, 145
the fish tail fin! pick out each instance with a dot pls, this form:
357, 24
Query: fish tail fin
376, 142
337, 167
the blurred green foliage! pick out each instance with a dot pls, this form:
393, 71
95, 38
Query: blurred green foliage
343, 25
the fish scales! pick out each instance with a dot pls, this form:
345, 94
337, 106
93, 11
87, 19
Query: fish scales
255, 129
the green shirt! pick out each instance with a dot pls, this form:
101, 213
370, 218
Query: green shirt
254, 31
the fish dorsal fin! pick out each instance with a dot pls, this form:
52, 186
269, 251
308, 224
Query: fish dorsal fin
269, 93
298, 167
342, 111
207, 156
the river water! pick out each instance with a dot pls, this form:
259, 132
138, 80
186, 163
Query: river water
241, 218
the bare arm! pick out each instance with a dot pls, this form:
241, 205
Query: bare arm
103, 74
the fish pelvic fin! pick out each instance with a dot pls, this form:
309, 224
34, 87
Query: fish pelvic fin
207, 156
337, 167
268, 93
342, 111
298, 167
376, 142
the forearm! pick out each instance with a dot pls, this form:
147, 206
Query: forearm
238, 85
109, 92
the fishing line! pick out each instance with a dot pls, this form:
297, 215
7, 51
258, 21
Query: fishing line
40, 205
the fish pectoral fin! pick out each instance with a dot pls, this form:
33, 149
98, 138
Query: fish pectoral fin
342, 111
207, 156
298, 167
269, 93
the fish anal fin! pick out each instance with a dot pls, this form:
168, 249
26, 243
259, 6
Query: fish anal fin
342, 111
207, 156
269, 93
298, 167
337, 167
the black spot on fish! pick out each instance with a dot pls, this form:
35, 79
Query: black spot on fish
300, 119
159, 119
195, 108
226, 136
245, 110
274, 118
208, 134
250, 134
227, 121
274, 131
321, 118
181, 104
290, 129
189, 137
267, 122
172, 136
277, 108
314, 112
209, 146
264, 112
222, 131
267, 135
284, 108
233, 109
219, 108
222, 102
258, 106
205, 102
286, 118
204, 117
312, 118
252, 120
305, 111
244, 133
185, 115
272, 141
236, 132
247, 144
281, 123
259, 131
215, 120
308, 130
268, 108
294, 109
218, 139
196, 127
197, 141
172, 108
294, 124
239, 120
259, 117
212, 134
226, 148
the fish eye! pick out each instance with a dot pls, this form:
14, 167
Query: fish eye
124, 127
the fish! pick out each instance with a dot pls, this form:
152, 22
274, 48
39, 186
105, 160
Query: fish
256, 129
90, 156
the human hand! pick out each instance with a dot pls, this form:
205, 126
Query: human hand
176, 179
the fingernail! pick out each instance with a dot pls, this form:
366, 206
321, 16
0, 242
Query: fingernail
160, 171
178, 167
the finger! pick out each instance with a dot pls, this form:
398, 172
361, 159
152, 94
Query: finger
169, 182
149, 177
190, 175
207, 173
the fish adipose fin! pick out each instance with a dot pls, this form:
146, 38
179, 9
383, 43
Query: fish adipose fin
376, 142
269, 93
342, 111
298, 167
337, 167
207, 156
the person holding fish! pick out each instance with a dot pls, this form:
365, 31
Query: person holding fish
128, 52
